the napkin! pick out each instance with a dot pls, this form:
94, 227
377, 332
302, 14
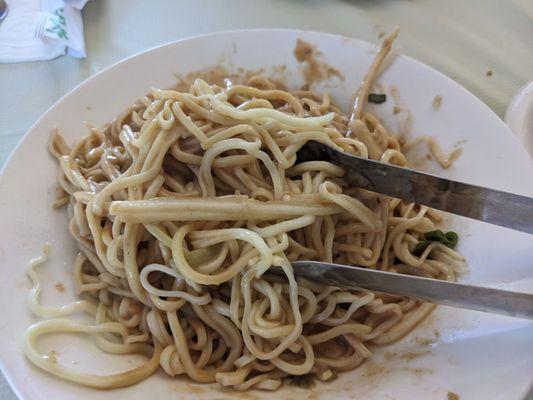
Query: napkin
62, 31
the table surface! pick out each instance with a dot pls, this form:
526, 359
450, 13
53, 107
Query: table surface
464, 40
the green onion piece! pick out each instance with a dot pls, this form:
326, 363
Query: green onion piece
421, 247
453, 239
435, 236
377, 98
448, 239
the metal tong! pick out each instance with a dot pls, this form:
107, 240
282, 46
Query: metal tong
476, 202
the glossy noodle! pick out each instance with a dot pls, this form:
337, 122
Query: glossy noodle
183, 205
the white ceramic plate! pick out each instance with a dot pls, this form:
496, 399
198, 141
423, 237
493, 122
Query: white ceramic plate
475, 355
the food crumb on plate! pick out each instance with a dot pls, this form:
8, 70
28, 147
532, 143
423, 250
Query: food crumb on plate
59, 287
453, 396
52, 356
437, 101
314, 69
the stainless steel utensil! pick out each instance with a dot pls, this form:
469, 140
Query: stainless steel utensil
484, 204
489, 205
454, 294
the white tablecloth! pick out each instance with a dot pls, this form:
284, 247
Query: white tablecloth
462, 39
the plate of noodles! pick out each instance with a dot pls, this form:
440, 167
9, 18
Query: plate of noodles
154, 199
